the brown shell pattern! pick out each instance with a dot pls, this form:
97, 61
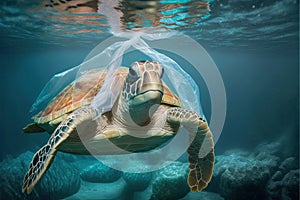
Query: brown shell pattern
82, 91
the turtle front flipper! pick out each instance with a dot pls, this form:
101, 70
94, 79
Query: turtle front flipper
201, 149
43, 158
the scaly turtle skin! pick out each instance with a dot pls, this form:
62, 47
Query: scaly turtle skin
146, 107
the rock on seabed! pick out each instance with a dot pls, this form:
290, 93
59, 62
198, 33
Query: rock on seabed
60, 181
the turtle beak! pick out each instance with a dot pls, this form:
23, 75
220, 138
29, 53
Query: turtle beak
149, 97
150, 91
151, 82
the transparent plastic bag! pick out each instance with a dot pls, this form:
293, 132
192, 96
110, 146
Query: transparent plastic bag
110, 59
55, 85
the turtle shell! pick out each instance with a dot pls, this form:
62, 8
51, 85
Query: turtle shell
82, 91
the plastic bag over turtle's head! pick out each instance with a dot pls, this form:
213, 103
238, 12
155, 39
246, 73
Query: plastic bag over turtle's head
174, 77
108, 59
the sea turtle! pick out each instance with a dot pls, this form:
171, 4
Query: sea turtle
144, 101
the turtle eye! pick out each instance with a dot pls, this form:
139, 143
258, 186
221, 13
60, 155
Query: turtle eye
132, 72
162, 72
133, 76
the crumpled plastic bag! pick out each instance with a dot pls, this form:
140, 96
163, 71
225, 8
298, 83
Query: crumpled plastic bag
111, 59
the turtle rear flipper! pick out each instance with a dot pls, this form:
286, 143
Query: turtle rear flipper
43, 158
33, 128
201, 149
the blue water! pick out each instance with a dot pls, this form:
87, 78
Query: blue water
255, 45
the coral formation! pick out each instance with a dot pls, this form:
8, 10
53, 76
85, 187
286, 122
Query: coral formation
137, 181
170, 182
284, 184
61, 181
100, 173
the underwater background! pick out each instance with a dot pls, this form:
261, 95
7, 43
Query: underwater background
255, 45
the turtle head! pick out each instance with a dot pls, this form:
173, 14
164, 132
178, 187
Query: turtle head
143, 90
